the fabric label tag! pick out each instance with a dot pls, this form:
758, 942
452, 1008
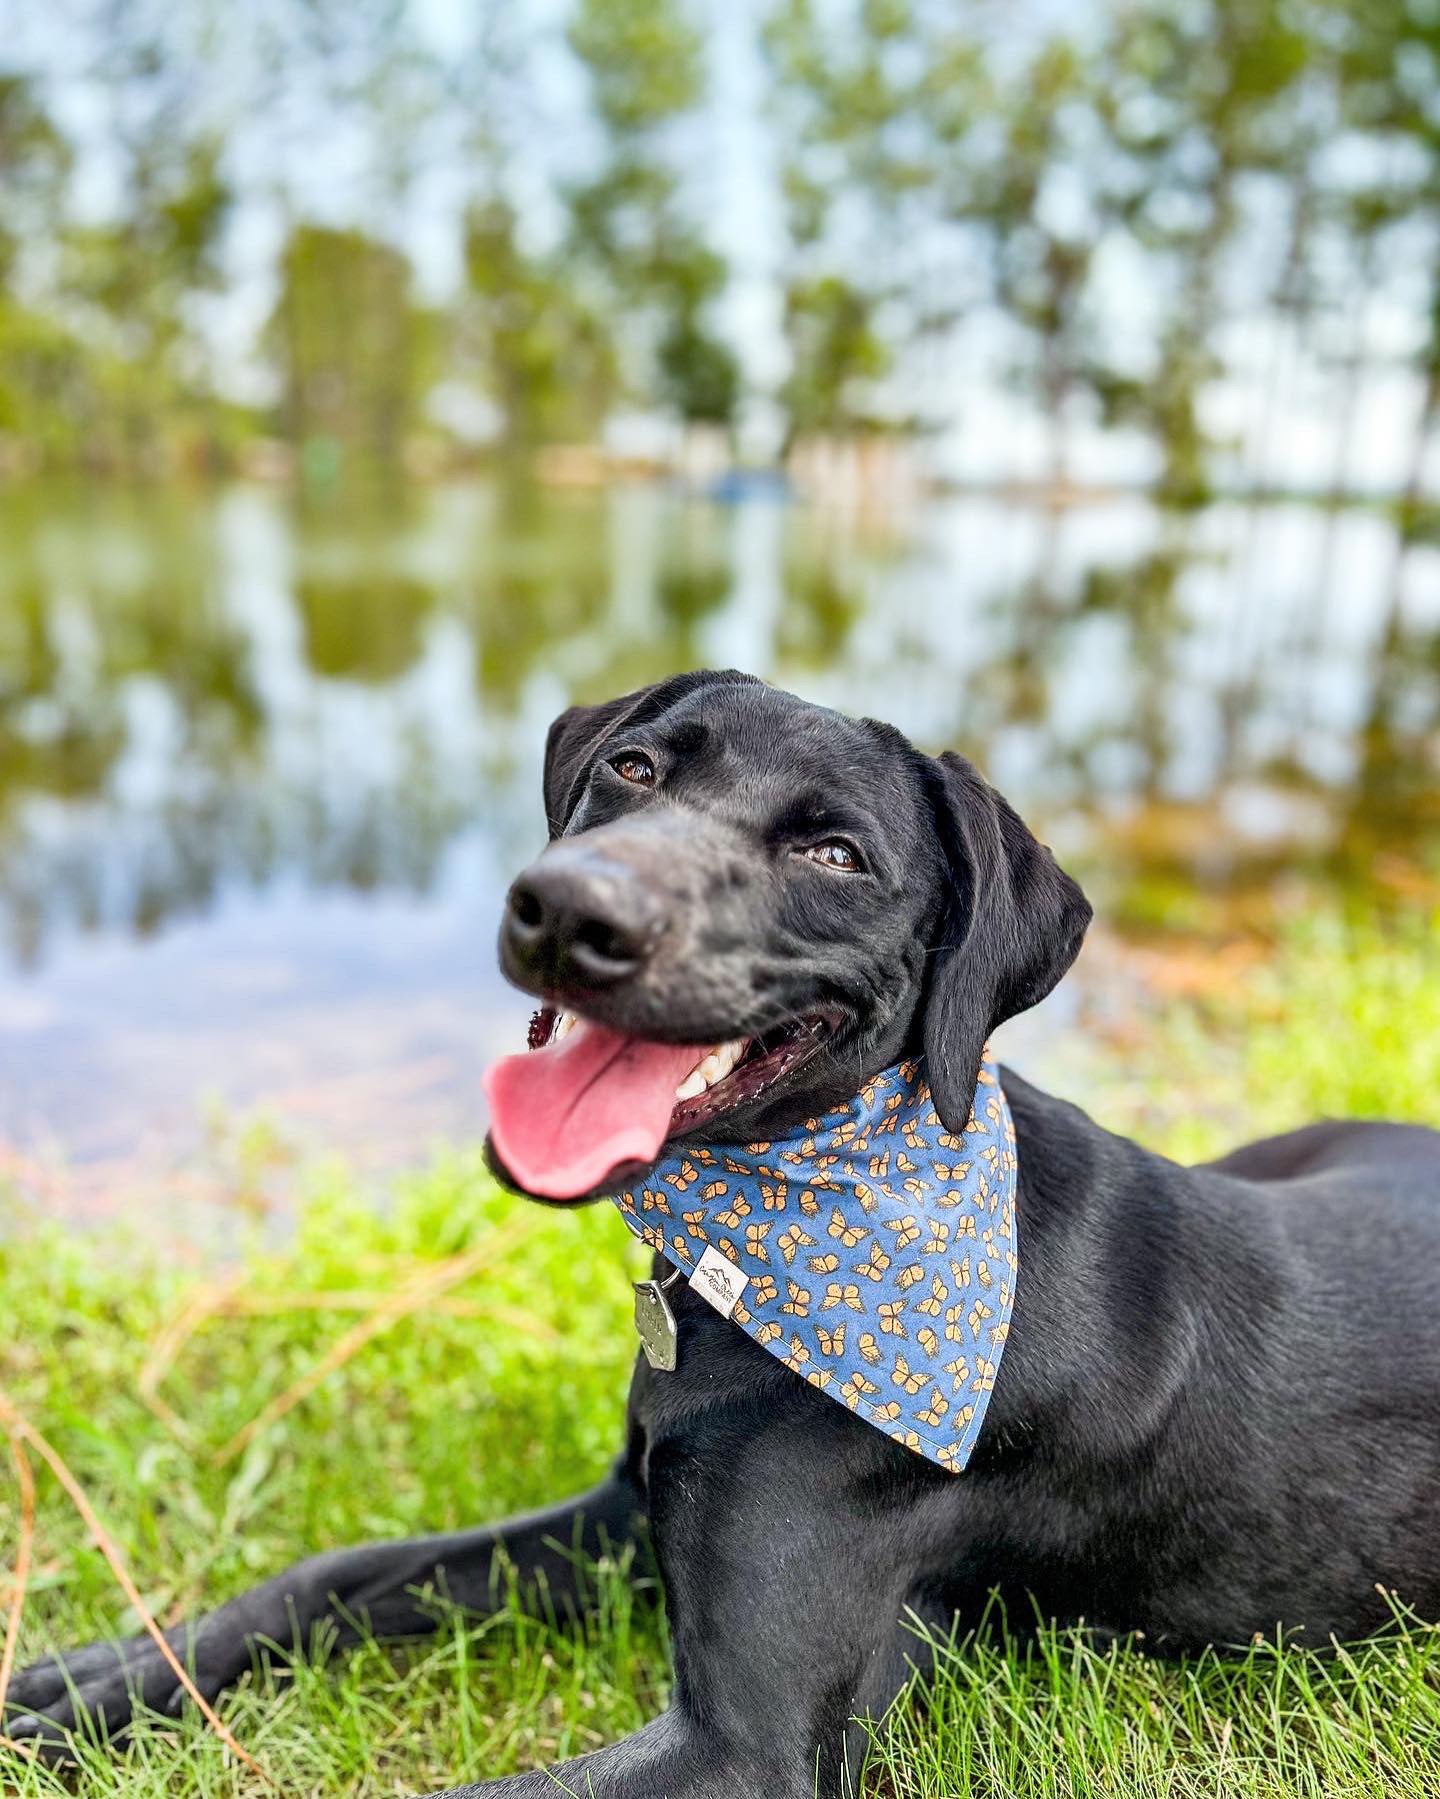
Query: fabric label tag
718, 1280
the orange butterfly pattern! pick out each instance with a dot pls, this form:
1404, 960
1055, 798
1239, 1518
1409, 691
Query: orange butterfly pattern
916, 1238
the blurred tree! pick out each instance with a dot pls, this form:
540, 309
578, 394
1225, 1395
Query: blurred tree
844, 103
34, 163
1161, 202
134, 280
546, 358
836, 356
1390, 62
630, 235
44, 387
131, 280
1201, 97
1017, 166
698, 374
353, 349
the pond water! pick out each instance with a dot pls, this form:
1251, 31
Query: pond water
265, 771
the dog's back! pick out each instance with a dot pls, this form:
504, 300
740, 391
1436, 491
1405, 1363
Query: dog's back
1405, 1156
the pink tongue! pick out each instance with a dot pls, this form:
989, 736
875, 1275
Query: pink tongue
562, 1117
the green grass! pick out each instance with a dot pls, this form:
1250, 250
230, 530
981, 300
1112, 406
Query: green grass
448, 1419
1340, 1020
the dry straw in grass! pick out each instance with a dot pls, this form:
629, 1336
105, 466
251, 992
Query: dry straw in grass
21, 1431
25, 1476
232, 1302
424, 1289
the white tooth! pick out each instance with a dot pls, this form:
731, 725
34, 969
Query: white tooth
712, 1067
564, 1024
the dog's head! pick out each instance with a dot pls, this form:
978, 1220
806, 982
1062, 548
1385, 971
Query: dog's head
750, 905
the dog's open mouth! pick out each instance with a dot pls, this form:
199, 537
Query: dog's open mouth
587, 1101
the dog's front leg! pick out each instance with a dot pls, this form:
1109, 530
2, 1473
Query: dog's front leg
384, 1588
791, 1540
683, 1755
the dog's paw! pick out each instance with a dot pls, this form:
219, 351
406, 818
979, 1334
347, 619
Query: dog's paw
95, 1692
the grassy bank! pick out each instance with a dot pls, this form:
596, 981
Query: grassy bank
498, 1380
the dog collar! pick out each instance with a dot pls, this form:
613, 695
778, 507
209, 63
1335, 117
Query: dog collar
873, 1252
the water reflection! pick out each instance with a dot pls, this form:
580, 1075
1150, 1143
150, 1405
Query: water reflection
217, 711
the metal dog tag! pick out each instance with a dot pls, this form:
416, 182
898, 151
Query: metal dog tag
655, 1323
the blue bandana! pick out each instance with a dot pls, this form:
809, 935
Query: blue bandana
872, 1252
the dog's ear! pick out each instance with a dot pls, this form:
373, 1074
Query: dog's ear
1013, 925
569, 745
576, 735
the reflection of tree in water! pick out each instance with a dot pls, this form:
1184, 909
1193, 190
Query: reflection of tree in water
1175, 664
1253, 677
1022, 654
45, 747
1037, 638
185, 710
535, 572
638, 660
28, 658
524, 609
363, 626
695, 574
822, 606
686, 595
612, 607
335, 711
835, 569
1144, 598
202, 656
1394, 797
193, 747
363, 609
66, 659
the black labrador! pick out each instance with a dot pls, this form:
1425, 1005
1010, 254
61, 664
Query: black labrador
1218, 1410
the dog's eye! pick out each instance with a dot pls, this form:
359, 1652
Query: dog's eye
634, 767
834, 853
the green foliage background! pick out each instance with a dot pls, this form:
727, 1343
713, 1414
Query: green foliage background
1092, 204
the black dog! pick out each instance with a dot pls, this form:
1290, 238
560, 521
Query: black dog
1219, 1406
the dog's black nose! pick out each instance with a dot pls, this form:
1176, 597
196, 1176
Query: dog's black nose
580, 924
